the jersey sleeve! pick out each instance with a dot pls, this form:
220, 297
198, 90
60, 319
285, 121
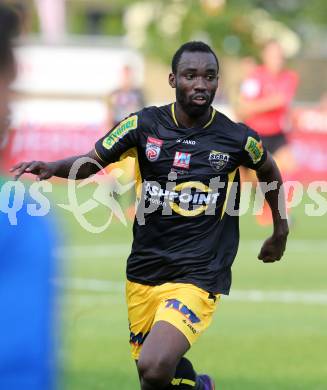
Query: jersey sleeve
119, 140
254, 154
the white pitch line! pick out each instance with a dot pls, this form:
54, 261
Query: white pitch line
92, 251
306, 297
117, 250
94, 300
297, 246
94, 285
280, 296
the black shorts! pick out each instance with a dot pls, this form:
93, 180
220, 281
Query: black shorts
274, 142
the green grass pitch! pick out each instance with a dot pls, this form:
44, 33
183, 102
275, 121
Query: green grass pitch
265, 344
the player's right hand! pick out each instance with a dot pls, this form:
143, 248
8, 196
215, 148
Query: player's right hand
273, 248
41, 169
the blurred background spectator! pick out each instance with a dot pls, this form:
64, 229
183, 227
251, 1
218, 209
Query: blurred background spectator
124, 100
9, 28
266, 96
265, 101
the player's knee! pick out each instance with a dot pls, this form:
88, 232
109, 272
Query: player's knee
155, 373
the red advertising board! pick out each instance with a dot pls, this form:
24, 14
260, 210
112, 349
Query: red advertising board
48, 142
53, 129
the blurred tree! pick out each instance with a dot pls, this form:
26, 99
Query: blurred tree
235, 27
296, 12
95, 17
160, 26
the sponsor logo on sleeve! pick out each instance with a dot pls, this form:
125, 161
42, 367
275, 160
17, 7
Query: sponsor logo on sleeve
218, 160
118, 132
153, 148
254, 148
182, 160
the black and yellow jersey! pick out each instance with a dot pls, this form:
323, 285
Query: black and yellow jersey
186, 229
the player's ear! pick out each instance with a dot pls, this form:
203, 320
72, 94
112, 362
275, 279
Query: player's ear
172, 80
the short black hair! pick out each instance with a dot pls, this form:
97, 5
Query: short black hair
192, 46
9, 29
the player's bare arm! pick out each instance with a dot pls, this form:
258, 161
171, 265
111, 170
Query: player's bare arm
274, 247
61, 168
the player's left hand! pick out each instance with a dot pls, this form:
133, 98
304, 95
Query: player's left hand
273, 248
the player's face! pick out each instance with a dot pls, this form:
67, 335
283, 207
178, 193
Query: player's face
196, 82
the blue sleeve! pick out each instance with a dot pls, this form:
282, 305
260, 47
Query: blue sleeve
27, 299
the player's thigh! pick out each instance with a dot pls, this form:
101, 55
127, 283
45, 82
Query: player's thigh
188, 308
162, 350
184, 313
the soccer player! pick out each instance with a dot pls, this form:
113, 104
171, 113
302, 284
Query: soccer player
27, 262
183, 250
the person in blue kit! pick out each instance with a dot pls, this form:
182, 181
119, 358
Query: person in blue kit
26, 264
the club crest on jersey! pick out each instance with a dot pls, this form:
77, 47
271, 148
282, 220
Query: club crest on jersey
218, 160
182, 160
153, 148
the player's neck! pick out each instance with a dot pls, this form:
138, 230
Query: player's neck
188, 121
